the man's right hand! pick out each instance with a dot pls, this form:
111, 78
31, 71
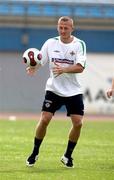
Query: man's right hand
31, 70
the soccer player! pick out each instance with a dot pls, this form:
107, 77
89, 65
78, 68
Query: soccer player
111, 91
66, 55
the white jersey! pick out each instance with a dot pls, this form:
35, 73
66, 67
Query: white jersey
56, 52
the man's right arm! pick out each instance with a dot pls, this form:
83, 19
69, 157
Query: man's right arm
31, 70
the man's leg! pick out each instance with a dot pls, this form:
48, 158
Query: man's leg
74, 135
39, 136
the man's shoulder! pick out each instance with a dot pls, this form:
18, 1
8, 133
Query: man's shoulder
78, 40
53, 39
79, 43
56, 38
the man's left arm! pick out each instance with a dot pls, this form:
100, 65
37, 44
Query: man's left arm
77, 68
80, 62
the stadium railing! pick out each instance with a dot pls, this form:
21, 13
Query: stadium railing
56, 9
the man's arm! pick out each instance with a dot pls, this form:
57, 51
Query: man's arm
111, 91
77, 68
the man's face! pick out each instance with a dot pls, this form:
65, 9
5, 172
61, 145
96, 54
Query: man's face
65, 29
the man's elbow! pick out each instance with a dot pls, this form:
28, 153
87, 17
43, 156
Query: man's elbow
81, 69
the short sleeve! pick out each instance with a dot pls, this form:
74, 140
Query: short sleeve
44, 52
81, 53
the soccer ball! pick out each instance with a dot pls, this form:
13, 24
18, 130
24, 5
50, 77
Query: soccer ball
32, 57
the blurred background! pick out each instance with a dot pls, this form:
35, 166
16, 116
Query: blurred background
26, 24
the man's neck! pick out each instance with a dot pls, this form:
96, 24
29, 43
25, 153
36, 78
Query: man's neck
67, 40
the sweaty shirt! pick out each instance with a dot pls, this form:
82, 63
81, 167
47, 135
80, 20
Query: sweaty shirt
55, 51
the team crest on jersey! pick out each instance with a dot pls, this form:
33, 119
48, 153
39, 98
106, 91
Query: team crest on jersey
72, 53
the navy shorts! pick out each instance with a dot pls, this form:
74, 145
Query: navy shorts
73, 104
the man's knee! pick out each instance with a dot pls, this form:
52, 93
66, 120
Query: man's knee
77, 121
44, 121
45, 118
78, 124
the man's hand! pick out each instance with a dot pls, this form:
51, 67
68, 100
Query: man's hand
30, 71
57, 70
110, 93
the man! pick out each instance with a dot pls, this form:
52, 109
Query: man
66, 55
111, 91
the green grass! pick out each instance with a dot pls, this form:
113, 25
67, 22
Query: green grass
93, 156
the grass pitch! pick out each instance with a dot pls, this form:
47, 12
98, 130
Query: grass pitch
93, 156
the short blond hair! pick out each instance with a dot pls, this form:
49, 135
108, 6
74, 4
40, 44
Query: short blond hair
65, 19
